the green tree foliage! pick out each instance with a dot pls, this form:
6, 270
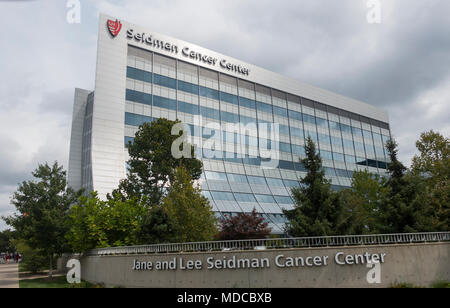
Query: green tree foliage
152, 165
95, 223
434, 156
318, 209
190, 212
415, 200
41, 207
157, 203
34, 260
157, 227
433, 165
243, 226
363, 201
407, 208
6, 238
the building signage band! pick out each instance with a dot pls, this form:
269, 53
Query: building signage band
114, 28
280, 261
186, 52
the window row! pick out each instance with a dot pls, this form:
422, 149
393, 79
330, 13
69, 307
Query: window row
248, 103
250, 198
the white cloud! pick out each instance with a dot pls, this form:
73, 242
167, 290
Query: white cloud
430, 110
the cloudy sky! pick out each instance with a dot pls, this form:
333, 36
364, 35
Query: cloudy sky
401, 65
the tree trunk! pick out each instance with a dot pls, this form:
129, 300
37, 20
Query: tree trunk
50, 273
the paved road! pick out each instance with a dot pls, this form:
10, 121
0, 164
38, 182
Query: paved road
9, 275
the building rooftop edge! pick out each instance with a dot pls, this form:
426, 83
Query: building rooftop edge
262, 76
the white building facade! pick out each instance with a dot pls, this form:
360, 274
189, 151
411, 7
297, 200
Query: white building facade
142, 76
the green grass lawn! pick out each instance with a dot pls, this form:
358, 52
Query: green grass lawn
55, 283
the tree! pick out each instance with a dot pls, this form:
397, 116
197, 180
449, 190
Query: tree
95, 223
405, 210
157, 227
42, 207
433, 166
190, 212
152, 165
6, 237
396, 169
34, 260
243, 226
318, 209
363, 201
434, 156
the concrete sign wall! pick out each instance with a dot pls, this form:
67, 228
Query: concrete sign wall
371, 266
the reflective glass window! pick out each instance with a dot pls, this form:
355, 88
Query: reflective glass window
367, 136
164, 102
324, 139
346, 128
287, 165
322, 122
350, 159
382, 165
336, 141
229, 98
299, 167
309, 119
285, 147
284, 130
372, 163
210, 113
245, 197
291, 183
218, 176
280, 111
230, 117
265, 198
295, 115
283, 200
256, 180
237, 178
335, 126
165, 81
361, 161
298, 150
223, 196
297, 132
188, 108
138, 74
187, 87
329, 171
312, 135
138, 97
348, 144
136, 119
275, 182
338, 157
342, 173
247, 120
210, 93
248, 103
255, 161
327, 155
357, 131
264, 107
359, 147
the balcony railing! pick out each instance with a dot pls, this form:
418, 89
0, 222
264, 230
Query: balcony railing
263, 244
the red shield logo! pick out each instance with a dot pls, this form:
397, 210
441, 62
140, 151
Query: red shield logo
114, 27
